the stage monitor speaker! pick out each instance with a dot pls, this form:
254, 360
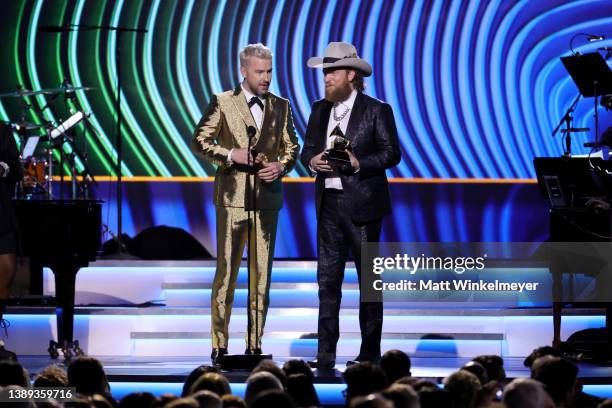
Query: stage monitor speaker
242, 361
161, 243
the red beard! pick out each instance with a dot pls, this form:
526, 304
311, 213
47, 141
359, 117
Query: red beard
338, 93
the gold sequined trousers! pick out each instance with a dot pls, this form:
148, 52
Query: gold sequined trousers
232, 231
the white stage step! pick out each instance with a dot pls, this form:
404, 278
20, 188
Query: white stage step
290, 332
182, 326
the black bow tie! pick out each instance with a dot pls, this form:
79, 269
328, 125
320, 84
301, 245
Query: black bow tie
255, 100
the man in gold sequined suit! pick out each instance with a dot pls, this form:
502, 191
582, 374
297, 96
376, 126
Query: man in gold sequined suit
222, 137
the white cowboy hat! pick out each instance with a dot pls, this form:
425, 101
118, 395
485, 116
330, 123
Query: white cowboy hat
341, 55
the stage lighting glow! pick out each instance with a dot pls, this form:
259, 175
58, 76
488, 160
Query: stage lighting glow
475, 86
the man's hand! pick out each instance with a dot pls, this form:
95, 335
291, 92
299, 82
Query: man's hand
354, 161
270, 172
243, 156
319, 164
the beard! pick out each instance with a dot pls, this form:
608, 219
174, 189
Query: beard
338, 93
253, 87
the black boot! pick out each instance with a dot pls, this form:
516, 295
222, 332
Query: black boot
4, 324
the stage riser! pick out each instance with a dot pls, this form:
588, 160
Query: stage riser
182, 327
136, 285
190, 286
286, 298
308, 348
123, 334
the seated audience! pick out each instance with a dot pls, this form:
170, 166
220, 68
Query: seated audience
232, 401
402, 396
214, 382
258, 383
297, 366
462, 386
194, 375
526, 393
302, 390
87, 376
271, 367
272, 398
52, 376
363, 379
207, 399
478, 370
559, 376
434, 397
370, 401
12, 373
138, 400
494, 366
395, 364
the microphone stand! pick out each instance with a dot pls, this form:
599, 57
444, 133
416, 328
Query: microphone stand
248, 361
87, 175
250, 193
567, 119
119, 141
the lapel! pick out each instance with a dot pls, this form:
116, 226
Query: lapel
267, 123
243, 108
268, 113
356, 117
325, 112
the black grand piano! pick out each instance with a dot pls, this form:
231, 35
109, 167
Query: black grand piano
63, 235
579, 191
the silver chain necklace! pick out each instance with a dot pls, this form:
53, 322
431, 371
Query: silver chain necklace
339, 118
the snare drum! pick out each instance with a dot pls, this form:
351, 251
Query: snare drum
36, 169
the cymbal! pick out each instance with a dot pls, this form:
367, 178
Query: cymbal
50, 91
24, 126
25, 92
70, 88
575, 130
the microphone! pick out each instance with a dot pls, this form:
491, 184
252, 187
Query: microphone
251, 131
54, 29
593, 38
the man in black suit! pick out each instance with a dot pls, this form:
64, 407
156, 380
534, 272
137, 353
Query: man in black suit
351, 200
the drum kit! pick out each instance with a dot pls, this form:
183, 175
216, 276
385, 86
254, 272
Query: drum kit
57, 141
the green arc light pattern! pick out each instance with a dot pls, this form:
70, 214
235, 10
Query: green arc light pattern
476, 86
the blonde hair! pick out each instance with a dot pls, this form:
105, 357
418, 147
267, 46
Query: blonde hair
254, 50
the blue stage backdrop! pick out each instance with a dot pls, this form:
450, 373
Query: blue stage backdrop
422, 212
476, 86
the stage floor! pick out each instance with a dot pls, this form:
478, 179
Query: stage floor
176, 369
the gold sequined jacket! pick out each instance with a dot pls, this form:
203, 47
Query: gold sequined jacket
224, 127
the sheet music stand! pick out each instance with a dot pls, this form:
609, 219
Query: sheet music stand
593, 77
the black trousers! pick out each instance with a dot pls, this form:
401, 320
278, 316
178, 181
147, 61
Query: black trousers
337, 234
